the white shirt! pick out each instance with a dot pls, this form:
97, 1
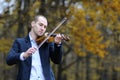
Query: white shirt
36, 69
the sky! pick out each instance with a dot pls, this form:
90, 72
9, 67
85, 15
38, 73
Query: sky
4, 5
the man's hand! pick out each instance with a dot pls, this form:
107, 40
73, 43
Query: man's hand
29, 52
58, 39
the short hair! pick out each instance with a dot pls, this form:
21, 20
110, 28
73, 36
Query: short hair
36, 17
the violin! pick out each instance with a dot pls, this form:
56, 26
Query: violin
51, 38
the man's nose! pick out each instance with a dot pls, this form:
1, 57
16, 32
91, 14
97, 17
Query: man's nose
42, 28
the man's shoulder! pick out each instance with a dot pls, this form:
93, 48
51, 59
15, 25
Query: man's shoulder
23, 38
20, 39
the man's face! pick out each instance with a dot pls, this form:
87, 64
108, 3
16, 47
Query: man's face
39, 26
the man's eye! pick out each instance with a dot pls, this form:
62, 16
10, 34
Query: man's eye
45, 26
41, 24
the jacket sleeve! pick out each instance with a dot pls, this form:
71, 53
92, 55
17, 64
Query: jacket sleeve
56, 53
14, 54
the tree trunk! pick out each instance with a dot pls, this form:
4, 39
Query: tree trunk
23, 9
77, 69
88, 67
59, 73
42, 10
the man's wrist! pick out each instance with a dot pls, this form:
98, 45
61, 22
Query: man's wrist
22, 57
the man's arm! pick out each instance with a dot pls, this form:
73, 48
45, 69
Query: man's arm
56, 53
13, 56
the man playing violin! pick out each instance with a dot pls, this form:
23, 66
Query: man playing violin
34, 62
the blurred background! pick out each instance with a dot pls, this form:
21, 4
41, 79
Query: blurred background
93, 52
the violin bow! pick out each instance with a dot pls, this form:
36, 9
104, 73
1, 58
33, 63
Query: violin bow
64, 19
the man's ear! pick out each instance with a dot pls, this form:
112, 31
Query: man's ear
32, 23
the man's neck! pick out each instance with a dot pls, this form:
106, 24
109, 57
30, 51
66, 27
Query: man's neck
33, 35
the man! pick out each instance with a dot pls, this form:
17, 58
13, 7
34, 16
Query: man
33, 62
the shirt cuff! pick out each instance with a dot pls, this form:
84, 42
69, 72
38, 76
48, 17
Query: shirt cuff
21, 56
58, 45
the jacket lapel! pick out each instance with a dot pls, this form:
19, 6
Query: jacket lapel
28, 44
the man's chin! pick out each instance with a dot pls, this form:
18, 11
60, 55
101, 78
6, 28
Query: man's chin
40, 34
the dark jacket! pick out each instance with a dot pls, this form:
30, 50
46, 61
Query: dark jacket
48, 51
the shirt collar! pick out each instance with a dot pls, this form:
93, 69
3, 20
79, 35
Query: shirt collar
31, 39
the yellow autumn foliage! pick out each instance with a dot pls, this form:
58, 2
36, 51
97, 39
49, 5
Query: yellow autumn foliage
34, 8
86, 22
5, 45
